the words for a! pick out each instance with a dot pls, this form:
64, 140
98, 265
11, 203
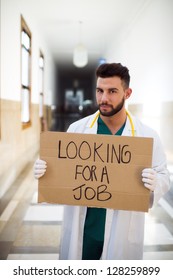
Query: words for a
92, 173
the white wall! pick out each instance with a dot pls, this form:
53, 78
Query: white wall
19, 146
10, 53
146, 48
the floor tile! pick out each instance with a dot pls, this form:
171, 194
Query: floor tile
5, 249
9, 210
158, 256
166, 206
43, 212
33, 257
157, 234
37, 235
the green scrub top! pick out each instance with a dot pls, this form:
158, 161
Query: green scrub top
95, 218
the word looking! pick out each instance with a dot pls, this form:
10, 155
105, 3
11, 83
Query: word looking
106, 153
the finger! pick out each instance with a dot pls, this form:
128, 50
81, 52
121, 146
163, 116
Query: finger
147, 180
148, 175
148, 170
40, 171
38, 176
40, 162
41, 165
148, 186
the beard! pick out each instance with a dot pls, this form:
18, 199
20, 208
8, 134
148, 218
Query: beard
114, 110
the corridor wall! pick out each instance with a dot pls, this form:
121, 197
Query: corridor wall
19, 146
145, 47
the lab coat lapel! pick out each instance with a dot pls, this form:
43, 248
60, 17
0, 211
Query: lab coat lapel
128, 129
91, 129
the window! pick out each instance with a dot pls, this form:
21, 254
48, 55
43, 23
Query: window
41, 91
0, 117
25, 74
41, 76
74, 100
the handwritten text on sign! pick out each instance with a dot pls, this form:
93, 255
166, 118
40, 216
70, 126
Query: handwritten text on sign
95, 170
97, 152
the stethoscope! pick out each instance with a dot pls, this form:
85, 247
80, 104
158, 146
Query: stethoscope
128, 115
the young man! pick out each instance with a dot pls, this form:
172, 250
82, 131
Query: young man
94, 233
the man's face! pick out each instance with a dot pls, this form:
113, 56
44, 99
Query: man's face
111, 95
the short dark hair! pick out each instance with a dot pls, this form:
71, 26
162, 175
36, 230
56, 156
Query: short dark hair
107, 70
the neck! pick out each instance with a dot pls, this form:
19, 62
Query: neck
114, 123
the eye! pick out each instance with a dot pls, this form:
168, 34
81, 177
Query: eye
98, 90
112, 91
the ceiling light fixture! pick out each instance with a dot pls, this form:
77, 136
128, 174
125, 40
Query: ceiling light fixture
80, 53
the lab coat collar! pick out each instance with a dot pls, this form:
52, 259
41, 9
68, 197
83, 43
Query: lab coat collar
93, 129
128, 129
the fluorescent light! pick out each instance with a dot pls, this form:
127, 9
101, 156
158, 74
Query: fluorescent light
80, 56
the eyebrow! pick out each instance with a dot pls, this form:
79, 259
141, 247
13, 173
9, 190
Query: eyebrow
108, 88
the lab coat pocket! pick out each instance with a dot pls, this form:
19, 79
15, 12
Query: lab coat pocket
136, 227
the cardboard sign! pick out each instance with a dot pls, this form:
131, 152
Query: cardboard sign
95, 170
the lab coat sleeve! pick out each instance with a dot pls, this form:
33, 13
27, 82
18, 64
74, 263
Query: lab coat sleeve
159, 164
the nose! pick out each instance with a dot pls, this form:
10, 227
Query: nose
104, 97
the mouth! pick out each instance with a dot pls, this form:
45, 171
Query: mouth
105, 106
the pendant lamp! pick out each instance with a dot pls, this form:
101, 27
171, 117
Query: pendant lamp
80, 53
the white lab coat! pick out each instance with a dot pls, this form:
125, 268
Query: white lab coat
124, 230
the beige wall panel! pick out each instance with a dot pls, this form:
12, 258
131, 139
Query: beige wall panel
17, 146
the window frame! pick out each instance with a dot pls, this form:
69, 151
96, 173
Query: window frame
25, 28
41, 88
41, 91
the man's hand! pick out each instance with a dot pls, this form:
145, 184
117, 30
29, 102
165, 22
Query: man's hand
149, 178
39, 168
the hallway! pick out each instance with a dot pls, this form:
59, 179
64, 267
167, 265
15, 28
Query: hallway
29, 230
43, 88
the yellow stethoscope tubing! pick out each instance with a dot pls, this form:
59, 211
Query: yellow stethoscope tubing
128, 115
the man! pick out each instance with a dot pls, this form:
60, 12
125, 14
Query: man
94, 233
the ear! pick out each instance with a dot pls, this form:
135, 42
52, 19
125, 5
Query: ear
128, 93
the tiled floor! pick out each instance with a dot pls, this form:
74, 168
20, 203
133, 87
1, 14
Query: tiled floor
32, 231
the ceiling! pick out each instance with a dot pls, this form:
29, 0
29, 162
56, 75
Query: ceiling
102, 21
